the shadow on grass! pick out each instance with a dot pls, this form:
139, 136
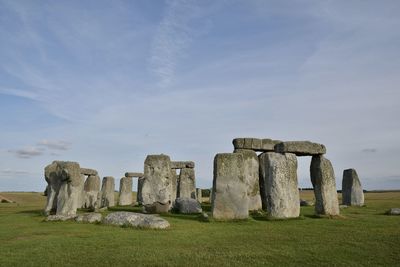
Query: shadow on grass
38, 212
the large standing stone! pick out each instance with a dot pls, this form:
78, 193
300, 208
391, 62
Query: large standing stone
199, 195
125, 191
323, 180
352, 192
107, 198
187, 184
139, 197
174, 186
65, 186
157, 184
300, 148
279, 172
251, 175
92, 189
229, 193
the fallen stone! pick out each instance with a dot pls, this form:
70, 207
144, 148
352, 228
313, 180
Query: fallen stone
5, 200
323, 180
187, 184
300, 148
107, 198
203, 217
89, 217
394, 211
136, 220
187, 205
229, 193
125, 191
53, 218
343, 206
305, 203
156, 207
261, 145
352, 192
279, 172
157, 182
87, 172
182, 164
251, 175
134, 174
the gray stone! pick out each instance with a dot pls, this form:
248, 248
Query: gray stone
89, 217
279, 172
300, 148
125, 191
174, 185
261, 145
182, 164
187, 205
88, 172
394, 211
323, 180
305, 203
203, 217
352, 192
157, 183
199, 195
139, 197
251, 175
107, 198
187, 184
55, 218
65, 188
92, 191
229, 193
134, 174
156, 207
137, 220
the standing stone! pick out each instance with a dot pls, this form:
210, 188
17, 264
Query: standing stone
174, 186
92, 189
229, 193
352, 192
251, 175
323, 180
139, 197
107, 198
187, 184
199, 195
65, 186
125, 191
157, 183
279, 172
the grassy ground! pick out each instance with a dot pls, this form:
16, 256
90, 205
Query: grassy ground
363, 237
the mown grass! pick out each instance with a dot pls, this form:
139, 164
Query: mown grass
362, 237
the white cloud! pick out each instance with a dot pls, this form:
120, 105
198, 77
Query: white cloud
57, 145
27, 152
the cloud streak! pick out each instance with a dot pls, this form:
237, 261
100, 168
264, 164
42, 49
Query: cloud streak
57, 145
27, 152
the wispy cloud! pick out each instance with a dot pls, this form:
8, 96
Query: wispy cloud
369, 150
28, 152
57, 145
8, 172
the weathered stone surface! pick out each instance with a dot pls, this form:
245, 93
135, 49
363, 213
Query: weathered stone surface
300, 148
136, 220
157, 183
92, 191
89, 217
187, 205
139, 197
174, 186
182, 164
54, 218
199, 195
156, 207
87, 172
394, 211
107, 198
187, 184
262, 145
251, 175
134, 174
125, 191
323, 180
65, 187
229, 193
279, 172
352, 192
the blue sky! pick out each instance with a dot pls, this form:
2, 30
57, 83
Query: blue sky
106, 83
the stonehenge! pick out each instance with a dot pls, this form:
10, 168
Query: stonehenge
352, 192
125, 191
186, 184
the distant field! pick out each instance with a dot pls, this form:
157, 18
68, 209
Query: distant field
363, 237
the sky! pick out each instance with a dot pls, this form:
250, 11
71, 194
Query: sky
105, 83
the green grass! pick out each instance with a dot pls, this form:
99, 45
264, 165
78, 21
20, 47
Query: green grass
363, 237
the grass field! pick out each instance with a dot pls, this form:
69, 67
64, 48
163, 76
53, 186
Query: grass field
363, 237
